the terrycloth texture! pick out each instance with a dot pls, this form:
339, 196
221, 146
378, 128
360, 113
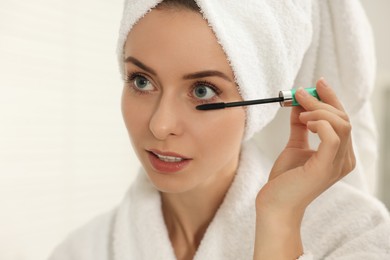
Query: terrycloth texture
273, 138
276, 45
265, 42
273, 44
342, 51
342, 223
143, 208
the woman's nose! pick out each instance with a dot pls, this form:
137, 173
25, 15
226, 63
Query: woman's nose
165, 120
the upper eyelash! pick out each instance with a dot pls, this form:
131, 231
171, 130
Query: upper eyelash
131, 76
129, 79
208, 84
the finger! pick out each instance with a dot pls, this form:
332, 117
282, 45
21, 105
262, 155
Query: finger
328, 95
298, 131
341, 127
310, 103
346, 157
329, 145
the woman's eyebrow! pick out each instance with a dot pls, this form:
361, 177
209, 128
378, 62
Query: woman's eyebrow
138, 63
196, 75
207, 73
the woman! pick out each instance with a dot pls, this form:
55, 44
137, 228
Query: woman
205, 191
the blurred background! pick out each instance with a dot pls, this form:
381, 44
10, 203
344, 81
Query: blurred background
64, 151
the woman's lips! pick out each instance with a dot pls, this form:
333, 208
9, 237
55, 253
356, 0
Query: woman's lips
167, 162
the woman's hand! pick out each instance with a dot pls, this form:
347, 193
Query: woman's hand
300, 174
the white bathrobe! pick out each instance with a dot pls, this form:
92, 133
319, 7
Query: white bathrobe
343, 223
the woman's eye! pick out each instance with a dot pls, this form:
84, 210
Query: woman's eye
142, 83
204, 92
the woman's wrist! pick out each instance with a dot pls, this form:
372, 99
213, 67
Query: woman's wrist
278, 236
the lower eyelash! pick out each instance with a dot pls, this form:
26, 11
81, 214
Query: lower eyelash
216, 90
202, 102
210, 85
129, 80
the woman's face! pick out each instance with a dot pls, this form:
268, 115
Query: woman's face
173, 63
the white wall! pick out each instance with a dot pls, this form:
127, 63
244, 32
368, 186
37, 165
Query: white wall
378, 14
64, 151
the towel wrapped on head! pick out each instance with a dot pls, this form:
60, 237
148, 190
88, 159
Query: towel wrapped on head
277, 45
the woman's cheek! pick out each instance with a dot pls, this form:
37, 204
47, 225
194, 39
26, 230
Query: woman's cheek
135, 114
224, 127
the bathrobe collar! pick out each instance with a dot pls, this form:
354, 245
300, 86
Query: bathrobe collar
140, 231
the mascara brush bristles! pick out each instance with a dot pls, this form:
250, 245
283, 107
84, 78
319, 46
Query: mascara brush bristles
211, 106
222, 105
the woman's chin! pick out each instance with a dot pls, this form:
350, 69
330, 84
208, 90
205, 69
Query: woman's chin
172, 184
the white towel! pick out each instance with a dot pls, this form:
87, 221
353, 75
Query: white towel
342, 51
276, 45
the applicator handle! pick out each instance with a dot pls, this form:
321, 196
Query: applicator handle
289, 96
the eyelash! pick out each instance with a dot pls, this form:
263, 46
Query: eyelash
214, 88
129, 79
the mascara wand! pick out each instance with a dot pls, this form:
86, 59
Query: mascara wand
286, 99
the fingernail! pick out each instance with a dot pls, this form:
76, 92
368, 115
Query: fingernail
302, 92
323, 82
304, 113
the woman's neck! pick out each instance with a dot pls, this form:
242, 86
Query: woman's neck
188, 215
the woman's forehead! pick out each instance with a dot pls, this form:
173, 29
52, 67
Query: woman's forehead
175, 34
